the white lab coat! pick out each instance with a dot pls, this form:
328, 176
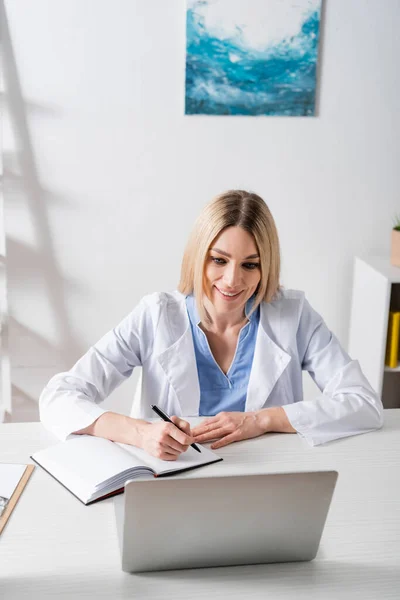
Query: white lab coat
157, 336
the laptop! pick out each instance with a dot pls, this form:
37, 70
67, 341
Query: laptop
186, 522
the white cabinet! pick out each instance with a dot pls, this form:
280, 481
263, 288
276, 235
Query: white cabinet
376, 291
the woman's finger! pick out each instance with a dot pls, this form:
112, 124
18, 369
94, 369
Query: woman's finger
171, 436
224, 441
182, 424
206, 427
168, 456
172, 445
168, 447
210, 435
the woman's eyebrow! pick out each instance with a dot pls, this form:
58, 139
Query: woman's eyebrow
229, 256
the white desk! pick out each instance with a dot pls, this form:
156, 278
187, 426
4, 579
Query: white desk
55, 547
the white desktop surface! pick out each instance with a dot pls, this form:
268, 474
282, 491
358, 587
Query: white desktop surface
55, 547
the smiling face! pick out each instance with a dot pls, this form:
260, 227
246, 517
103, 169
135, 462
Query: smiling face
232, 270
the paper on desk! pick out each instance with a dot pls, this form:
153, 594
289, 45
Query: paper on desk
10, 476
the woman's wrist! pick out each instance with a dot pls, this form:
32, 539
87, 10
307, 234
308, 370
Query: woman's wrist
130, 430
274, 419
118, 428
138, 430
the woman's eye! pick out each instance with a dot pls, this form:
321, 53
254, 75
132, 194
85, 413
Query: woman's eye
218, 261
221, 261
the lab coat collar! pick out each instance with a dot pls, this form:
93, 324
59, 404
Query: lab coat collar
269, 361
179, 363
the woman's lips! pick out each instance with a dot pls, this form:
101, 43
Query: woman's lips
227, 298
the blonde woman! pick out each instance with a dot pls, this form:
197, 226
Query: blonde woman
229, 345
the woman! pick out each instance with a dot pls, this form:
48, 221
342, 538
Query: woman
230, 345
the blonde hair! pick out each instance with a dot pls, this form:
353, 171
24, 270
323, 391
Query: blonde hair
234, 208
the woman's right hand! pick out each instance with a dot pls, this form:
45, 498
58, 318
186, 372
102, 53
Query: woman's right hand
164, 440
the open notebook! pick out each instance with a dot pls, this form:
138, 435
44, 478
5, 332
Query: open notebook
93, 468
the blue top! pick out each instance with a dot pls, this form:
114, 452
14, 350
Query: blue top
220, 392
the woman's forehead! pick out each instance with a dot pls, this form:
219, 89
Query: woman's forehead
235, 240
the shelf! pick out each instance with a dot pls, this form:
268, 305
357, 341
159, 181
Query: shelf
376, 291
383, 266
393, 370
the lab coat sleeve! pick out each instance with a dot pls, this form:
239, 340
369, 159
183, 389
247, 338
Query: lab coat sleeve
347, 404
70, 401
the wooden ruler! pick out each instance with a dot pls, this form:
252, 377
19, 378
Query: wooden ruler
15, 497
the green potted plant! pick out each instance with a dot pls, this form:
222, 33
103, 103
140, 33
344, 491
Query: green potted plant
395, 255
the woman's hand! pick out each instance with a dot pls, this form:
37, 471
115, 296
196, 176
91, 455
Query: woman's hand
164, 440
229, 427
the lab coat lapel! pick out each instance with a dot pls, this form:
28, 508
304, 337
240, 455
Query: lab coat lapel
269, 360
179, 364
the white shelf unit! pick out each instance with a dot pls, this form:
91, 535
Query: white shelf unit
376, 291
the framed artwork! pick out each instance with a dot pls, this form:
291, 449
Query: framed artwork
251, 57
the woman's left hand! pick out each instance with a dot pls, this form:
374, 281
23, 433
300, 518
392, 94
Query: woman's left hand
228, 427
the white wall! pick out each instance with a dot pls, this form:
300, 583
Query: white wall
105, 174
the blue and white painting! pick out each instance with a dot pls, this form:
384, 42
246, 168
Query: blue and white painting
251, 57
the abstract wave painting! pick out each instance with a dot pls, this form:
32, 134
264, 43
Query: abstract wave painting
251, 57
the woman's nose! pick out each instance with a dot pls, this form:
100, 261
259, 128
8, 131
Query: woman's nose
231, 275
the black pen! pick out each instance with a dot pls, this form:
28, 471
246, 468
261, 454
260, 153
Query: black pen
165, 417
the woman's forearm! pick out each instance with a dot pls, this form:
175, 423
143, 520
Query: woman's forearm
117, 428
